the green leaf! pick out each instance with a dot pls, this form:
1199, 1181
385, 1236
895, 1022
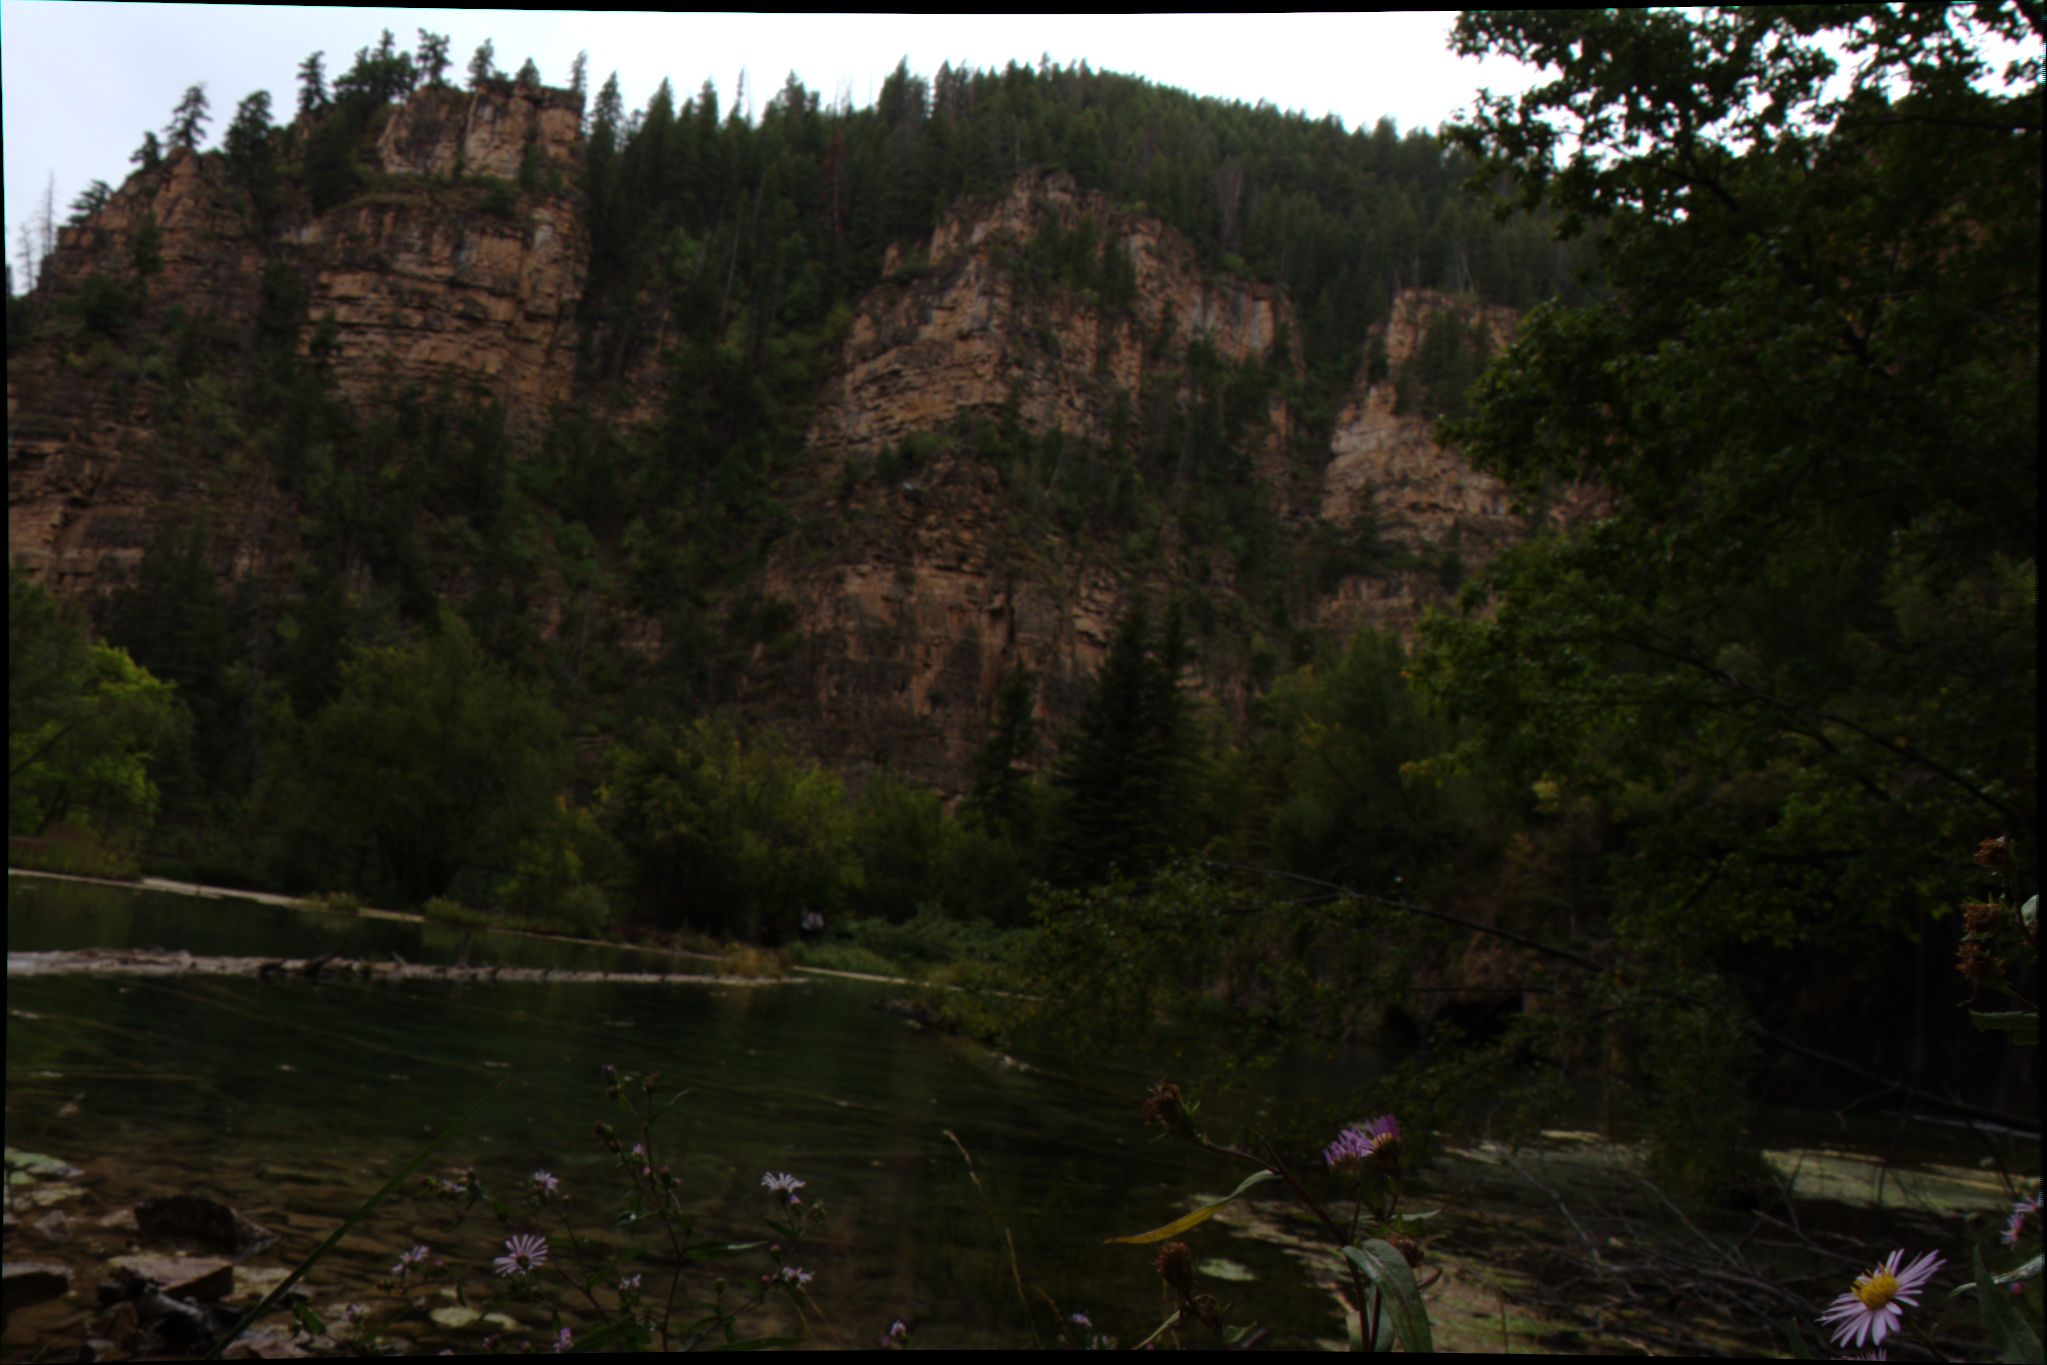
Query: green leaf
2017, 1340
1382, 1340
1200, 1215
369, 1207
309, 1320
624, 1334
2023, 1025
1159, 1332
1388, 1272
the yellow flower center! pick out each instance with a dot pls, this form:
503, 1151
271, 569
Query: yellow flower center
1876, 1290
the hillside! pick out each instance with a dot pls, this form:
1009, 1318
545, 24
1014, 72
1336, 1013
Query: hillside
443, 372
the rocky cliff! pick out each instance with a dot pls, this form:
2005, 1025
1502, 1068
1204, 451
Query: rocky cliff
921, 571
442, 276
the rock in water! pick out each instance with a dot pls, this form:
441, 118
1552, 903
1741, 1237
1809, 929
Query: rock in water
27, 1282
189, 1218
200, 1278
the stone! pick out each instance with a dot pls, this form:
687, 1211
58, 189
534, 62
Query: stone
29, 1282
38, 1167
54, 1226
190, 1218
454, 1316
200, 1278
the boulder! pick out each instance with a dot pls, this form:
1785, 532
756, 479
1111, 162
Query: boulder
204, 1279
28, 1282
189, 1218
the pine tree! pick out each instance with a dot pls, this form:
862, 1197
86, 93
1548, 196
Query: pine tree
433, 59
149, 155
483, 65
579, 73
1124, 773
186, 120
529, 74
312, 85
1000, 780
90, 201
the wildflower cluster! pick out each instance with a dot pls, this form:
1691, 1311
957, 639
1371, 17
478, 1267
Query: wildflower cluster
616, 1308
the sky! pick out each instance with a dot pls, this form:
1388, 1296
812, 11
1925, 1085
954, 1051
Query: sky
84, 80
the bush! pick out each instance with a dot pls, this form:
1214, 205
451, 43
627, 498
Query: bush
842, 957
745, 960
72, 853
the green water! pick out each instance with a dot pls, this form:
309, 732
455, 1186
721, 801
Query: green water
291, 1101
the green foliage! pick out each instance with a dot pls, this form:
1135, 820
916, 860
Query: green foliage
1346, 746
1130, 764
85, 723
562, 870
725, 835
421, 777
1001, 799
1792, 662
1187, 961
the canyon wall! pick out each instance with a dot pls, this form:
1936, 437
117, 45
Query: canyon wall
460, 266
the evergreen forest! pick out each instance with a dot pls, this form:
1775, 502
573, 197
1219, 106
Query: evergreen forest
1649, 807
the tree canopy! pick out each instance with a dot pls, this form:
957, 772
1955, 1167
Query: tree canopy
1790, 654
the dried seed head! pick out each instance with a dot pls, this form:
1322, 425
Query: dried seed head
1176, 1267
1995, 853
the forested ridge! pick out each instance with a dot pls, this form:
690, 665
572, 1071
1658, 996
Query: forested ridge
1669, 790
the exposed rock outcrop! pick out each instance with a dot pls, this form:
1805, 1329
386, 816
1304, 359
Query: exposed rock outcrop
437, 279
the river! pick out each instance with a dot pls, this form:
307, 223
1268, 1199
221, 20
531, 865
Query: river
291, 1100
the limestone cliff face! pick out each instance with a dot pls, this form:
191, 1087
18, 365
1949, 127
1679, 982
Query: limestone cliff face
1426, 501
966, 325
87, 488
442, 282
913, 594
926, 592
433, 279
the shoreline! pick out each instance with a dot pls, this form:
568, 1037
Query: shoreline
203, 891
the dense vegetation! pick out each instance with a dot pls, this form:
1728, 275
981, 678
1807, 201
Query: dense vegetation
1709, 764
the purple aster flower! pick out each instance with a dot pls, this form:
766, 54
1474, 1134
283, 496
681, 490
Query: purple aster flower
523, 1253
2015, 1226
407, 1260
784, 1184
563, 1342
897, 1330
796, 1275
1379, 1138
629, 1285
355, 1313
1869, 1312
1080, 1320
547, 1183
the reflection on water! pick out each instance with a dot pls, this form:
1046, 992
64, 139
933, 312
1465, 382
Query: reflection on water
292, 1101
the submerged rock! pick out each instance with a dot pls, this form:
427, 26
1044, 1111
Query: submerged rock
204, 1279
189, 1218
36, 1166
30, 1282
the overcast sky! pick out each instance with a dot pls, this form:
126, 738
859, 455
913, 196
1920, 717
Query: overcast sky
84, 81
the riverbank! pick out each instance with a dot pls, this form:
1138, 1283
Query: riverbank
201, 891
